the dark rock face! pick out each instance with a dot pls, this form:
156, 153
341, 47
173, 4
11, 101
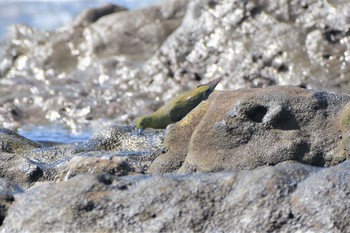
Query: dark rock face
92, 15
329, 186
245, 129
285, 198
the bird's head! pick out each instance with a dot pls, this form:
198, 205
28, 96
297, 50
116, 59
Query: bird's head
143, 123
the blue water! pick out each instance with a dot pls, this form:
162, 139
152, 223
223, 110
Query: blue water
51, 14
54, 133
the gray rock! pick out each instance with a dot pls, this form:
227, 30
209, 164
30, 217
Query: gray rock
69, 76
19, 169
92, 15
248, 128
118, 139
285, 198
11, 142
52, 155
136, 33
115, 150
316, 197
249, 43
259, 43
123, 138
96, 165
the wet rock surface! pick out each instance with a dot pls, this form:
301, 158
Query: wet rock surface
206, 202
111, 150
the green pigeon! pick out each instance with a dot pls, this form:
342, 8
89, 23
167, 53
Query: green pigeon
177, 108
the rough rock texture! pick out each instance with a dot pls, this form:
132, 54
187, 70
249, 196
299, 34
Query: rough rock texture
248, 128
19, 169
75, 76
11, 142
113, 150
284, 198
79, 74
100, 67
117, 139
94, 165
123, 138
260, 43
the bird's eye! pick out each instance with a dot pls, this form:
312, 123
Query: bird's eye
142, 123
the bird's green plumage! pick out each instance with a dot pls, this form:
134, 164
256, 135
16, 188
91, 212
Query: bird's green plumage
177, 108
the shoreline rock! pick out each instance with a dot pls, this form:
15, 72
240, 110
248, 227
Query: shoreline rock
75, 76
287, 197
252, 148
249, 128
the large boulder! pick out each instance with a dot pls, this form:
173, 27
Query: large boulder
136, 33
249, 128
78, 74
259, 43
284, 198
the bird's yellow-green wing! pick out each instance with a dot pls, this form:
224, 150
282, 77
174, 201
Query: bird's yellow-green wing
185, 103
179, 107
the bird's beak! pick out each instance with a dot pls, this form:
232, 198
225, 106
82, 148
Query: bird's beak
140, 130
